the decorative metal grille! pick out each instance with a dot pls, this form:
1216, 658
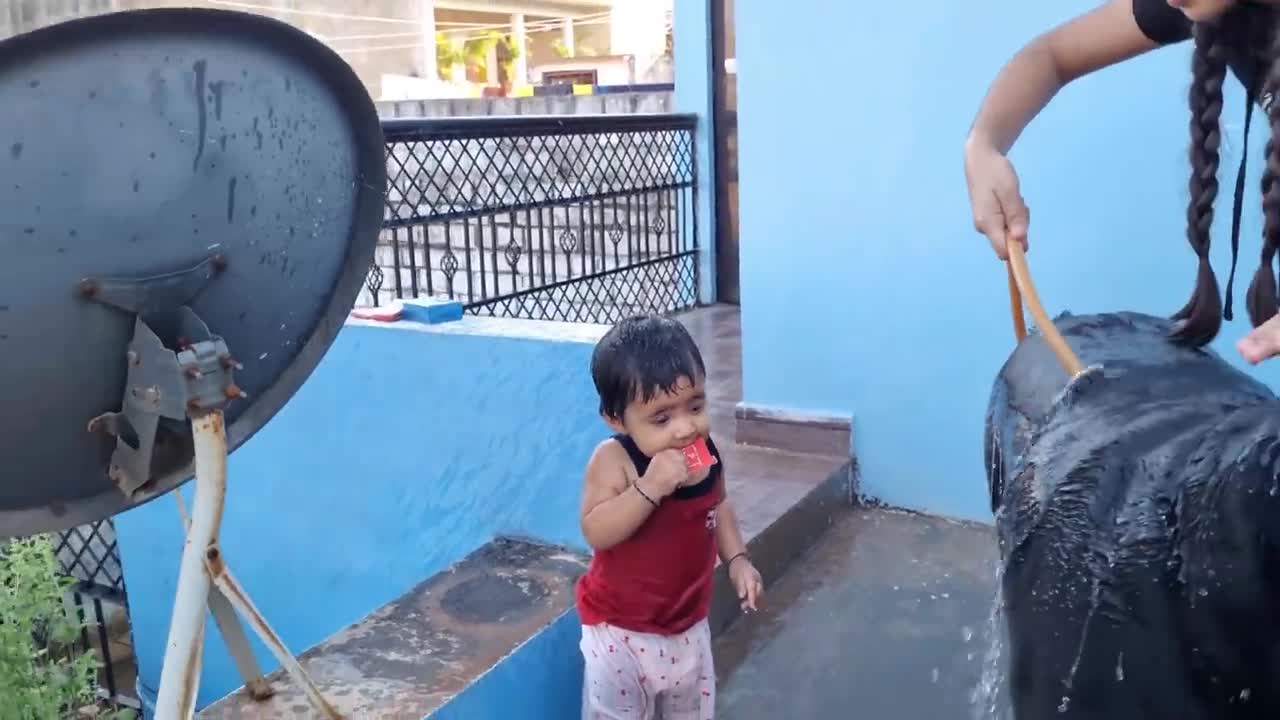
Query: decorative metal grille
89, 555
580, 218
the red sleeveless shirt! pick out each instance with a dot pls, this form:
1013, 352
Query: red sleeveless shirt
659, 579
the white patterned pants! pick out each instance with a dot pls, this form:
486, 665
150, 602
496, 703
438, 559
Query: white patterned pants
638, 676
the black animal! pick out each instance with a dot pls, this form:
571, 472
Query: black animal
1138, 517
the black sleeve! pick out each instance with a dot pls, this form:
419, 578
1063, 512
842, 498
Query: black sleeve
1161, 22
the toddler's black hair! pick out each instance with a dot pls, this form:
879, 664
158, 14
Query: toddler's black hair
641, 357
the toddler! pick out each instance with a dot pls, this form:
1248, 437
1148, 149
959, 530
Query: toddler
656, 528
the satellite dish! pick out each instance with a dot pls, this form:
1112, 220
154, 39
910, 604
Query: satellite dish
167, 176
191, 201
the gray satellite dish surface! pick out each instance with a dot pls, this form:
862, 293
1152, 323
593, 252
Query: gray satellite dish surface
166, 172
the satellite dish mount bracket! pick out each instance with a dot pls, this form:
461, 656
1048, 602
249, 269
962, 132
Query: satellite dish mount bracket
188, 377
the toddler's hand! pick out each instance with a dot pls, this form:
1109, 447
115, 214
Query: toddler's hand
667, 471
747, 581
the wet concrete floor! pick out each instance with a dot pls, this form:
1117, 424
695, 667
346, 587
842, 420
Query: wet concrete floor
887, 618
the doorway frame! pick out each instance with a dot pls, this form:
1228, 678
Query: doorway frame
727, 236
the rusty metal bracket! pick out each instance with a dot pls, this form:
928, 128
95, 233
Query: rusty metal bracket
197, 376
237, 641
205, 583
231, 630
155, 292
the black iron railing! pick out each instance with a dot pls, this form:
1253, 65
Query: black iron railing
89, 555
576, 218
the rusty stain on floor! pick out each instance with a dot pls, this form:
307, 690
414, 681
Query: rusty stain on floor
411, 656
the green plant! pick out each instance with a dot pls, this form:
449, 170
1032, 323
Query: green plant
41, 675
446, 55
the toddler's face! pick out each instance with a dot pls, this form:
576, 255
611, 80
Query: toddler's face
667, 420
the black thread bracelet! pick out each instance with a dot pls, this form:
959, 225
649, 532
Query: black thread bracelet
742, 554
643, 494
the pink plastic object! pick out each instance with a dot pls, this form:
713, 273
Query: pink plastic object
697, 456
387, 313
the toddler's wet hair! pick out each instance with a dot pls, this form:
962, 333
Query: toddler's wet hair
641, 357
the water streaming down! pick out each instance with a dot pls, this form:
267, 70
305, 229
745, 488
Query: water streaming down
989, 698
1138, 522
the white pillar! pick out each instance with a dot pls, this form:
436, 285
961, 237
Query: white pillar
566, 36
425, 62
519, 68
491, 67
458, 71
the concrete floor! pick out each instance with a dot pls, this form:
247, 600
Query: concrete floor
888, 618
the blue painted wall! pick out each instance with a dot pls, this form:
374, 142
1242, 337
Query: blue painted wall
541, 680
858, 251
406, 449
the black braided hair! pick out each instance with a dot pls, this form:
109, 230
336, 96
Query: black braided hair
1201, 318
1261, 299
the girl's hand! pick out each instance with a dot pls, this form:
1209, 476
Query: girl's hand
1261, 344
746, 580
998, 209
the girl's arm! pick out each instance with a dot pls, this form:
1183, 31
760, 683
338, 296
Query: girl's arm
1104, 36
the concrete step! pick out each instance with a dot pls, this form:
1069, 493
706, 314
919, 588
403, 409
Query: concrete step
888, 616
414, 655
504, 614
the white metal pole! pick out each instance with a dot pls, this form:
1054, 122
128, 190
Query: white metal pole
180, 675
566, 36
520, 67
239, 599
427, 67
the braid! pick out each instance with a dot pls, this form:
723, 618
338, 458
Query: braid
1202, 315
1261, 298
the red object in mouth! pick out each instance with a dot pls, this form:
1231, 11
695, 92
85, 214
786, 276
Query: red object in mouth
697, 456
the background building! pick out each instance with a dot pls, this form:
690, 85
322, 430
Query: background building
420, 49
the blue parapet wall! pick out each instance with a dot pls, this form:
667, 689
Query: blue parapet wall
864, 287
410, 446
542, 680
